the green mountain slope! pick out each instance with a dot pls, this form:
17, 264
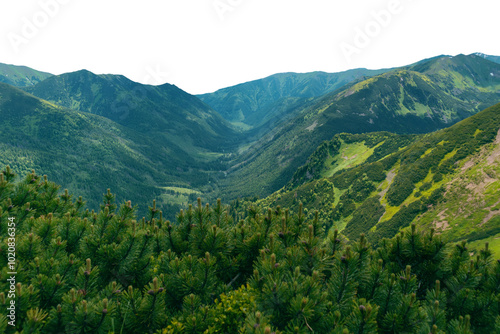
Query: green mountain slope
424, 97
378, 183
471, 202
21, 76
254, 102
165, 111
73, 147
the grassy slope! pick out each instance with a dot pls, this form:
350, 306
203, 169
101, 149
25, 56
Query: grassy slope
450, 180
471, 205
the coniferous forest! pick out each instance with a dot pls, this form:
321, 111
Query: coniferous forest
274, 271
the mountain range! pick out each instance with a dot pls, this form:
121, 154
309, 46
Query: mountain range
165, 112
423, 97
345, 143
86, 151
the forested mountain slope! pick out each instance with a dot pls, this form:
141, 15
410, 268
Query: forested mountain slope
254, 102
75, 147
424, 97
377, 183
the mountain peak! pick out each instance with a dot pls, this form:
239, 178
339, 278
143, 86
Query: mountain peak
480, 54
495, 59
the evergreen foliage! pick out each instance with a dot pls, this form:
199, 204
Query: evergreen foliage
272, 271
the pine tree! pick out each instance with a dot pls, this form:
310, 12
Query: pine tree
270, 272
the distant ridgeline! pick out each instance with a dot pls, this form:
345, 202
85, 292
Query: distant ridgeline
272, 272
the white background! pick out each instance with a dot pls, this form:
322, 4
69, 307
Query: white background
204, 45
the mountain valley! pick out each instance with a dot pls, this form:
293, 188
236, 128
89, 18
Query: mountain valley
270, 137
355, 202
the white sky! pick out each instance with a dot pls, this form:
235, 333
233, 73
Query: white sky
204, 45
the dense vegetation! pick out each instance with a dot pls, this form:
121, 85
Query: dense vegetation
274, 271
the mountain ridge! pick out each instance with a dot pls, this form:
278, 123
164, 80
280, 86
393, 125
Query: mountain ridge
421, 97
21, 76
164, 110
244, 102
404, 100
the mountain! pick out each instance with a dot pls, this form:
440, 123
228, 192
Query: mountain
424, 97
252, 103
73, 147
377, 183
495, 59
165, 112
21, 76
